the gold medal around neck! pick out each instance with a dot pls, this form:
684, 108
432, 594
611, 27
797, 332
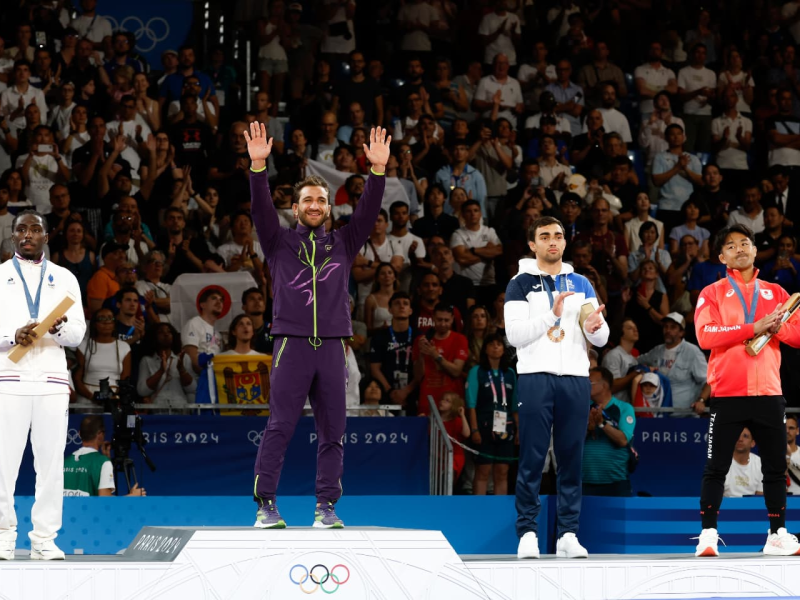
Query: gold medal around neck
556, 334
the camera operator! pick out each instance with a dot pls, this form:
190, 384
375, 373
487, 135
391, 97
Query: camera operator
89, 470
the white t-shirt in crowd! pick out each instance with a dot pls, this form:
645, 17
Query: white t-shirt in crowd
656, 79
615, 121
691, 79
95, 28
527, 72
562, 124
481, 273
423, 13
743, 77
42, 175
175, 108
274, 50
101, 361
9, 102
731, 157
201, 334
231, 249
510, 95
744, 480
400, 245
128, 129
503, 44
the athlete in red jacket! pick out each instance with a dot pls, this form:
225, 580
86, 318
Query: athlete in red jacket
745, 390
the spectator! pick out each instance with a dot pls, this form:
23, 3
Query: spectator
427, 91
649, 251
435, 221
682, 363
371, 393
610, 431
273, 63
642, 216
89, 471
243, 253
417, 19
451, 409
92, 26
781, 195
24, 50
41, 167
582, 263
697, 87
199, 337
499, 32
336, 16
186, 253
674, 173
750, 212
552, 172
783, 133
130, 323
165, 376
390, 351
609, 249
735, 76
774, 228
619, 360
731, 135
600, 74
793, 457
457, 290
16, 98
784, 269
172, 87
403, 243
653, 77
152, 269
103, 284
568, 95
475, 246
587, 148
499, 94
492, 389
427, 298
122, 55
477, 328
652, 132
100, 356
459, 174
325, 148
439, 360
613, 120
690, 211
204, 110
241, 335
715, 202
744, 477
260, 313
122, 228
376, 307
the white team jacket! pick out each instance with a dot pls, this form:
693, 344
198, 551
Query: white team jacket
528, 317
43, 370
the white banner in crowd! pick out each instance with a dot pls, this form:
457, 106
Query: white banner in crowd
394, 189
187, 289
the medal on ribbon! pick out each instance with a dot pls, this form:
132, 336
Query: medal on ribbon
556, 333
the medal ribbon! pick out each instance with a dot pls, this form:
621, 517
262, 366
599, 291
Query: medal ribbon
550, 294
33, 304
749, 317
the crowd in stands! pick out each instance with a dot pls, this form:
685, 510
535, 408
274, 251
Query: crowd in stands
644, 126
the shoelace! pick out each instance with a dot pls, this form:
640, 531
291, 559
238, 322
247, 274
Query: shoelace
328, 510
719, 539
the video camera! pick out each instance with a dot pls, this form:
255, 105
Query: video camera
127, 426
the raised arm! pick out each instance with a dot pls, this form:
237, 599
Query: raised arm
366, 212
265, 217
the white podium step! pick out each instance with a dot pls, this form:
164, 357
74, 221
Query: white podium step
374, 563
646, 576
244, 563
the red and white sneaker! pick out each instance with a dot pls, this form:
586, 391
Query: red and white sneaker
782, 543
707, 543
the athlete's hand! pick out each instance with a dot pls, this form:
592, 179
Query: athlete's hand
595, 320
771, 322
25, 336
57, 325
378, 151
259, 145
558, 305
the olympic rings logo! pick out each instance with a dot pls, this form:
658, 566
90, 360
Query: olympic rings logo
73, 437
255, 437
318, 579
155, 30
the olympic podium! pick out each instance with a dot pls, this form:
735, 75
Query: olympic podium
374, 563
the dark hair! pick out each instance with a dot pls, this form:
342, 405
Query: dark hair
128, 289
709, 164
470, 202
483, 361
673, 126
242, 213
431, 188
311, 180
690, 202
401, 295
150, 341
365, 383
647, 226
605, 374
777, 206
234, 324
91, 426
775, 170
250, 290
349, 181
542, 222
793, 417
397, 204
723, 233
382, 213
376, 283
444, 307
208, 293
29, 211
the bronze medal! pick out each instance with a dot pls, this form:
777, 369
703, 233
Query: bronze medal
556, 334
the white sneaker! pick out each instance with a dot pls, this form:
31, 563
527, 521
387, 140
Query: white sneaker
781, 543
46, 551
7, 550
569, 547
528, 546
707, 543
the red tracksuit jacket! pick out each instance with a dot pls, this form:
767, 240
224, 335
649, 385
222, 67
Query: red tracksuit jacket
720, 323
